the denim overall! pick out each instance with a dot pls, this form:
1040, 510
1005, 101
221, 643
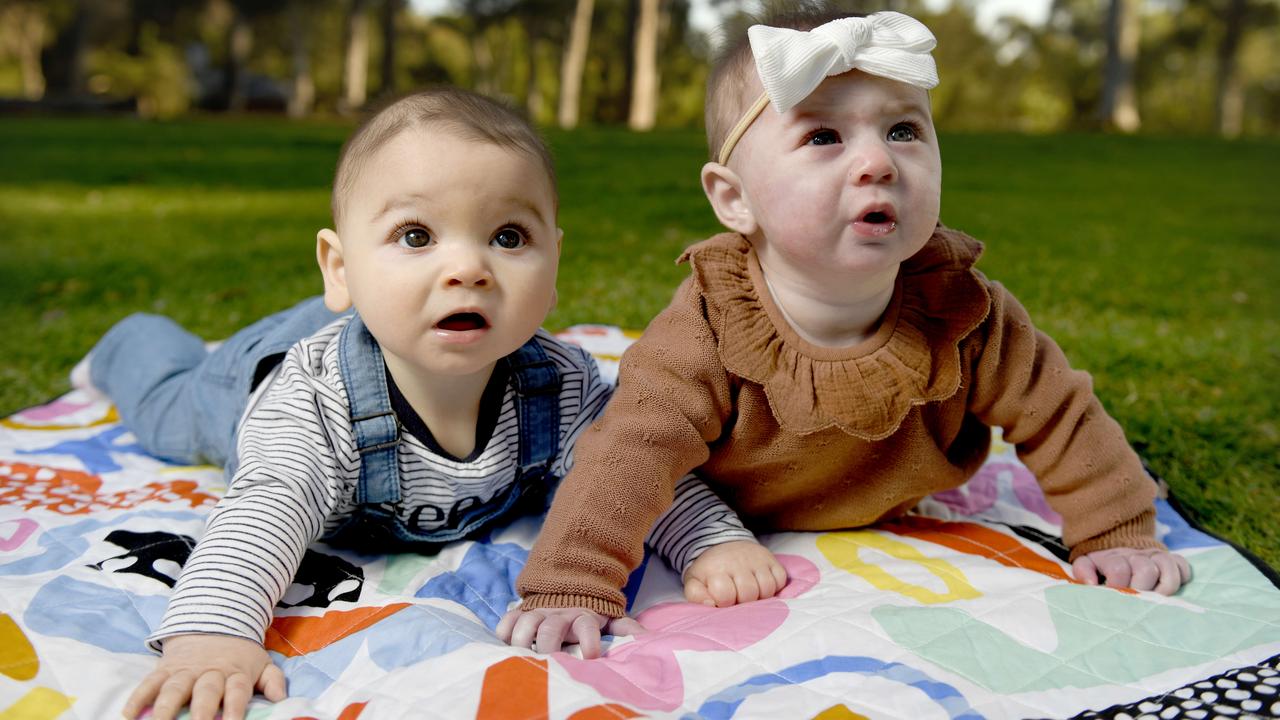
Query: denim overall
374, 528
184, 403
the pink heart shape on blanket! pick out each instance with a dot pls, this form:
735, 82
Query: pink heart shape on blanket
55, 409
644, 673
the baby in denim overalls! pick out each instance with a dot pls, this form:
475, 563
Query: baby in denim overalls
435, 411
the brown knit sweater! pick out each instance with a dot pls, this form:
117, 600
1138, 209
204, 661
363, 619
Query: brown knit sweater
799, 437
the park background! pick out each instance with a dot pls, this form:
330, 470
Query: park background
1117, 157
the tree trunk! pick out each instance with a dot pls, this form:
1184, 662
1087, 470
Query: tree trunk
644, 86
356, 63
574, 64
239, 46
532, 91
482, 59
390, 13
1230, 99
302, 96
1119, 107
32, 25
62, 63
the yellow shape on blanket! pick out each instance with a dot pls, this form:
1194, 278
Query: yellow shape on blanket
841, 548
41, 703
17, 657
838, 712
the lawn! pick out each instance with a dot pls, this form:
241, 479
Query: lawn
1155, 262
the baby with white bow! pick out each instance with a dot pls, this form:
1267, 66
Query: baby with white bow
833, 359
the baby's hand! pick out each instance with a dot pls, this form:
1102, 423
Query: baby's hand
734, 572
206, 671
1150, 569
544, 630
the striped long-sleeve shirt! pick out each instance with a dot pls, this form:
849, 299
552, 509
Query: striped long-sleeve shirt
299, 469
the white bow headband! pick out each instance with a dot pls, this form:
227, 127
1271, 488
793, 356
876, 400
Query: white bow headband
793, 63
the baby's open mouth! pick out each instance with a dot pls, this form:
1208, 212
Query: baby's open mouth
463, 321
877, 217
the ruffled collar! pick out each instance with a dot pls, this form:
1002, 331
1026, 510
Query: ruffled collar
868, 389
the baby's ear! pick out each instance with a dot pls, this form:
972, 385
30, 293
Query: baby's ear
334, 270
724, 189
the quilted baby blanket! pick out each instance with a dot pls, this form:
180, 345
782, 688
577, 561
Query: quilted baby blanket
964, 609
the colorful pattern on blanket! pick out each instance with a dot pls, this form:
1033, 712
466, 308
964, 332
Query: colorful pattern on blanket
964, 609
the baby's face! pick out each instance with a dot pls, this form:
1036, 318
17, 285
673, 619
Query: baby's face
450, 249
847, 182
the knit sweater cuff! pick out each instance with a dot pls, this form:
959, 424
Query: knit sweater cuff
563, 600
1138, 533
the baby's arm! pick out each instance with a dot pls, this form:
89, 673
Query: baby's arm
673, 399
1023, 383
211, 636
720, 561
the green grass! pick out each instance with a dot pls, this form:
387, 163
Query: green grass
1153, 261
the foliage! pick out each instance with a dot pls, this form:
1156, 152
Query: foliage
1016, 77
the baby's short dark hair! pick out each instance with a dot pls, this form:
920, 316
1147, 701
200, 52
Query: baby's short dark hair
732, 66
468, 115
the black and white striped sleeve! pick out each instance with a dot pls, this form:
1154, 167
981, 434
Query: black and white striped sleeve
286, 486
697, 520
583, 396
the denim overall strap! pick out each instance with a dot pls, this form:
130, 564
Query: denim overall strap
537, 384
374, 423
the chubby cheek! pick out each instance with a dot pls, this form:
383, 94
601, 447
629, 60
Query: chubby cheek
792, 208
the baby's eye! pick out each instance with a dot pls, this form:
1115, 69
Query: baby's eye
903, 132
414, 237
823, 136
509, 238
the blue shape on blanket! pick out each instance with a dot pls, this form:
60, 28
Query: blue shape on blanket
64, 545
1181, 535
108, 618
402, 639
725, 704
94, 451
483, 582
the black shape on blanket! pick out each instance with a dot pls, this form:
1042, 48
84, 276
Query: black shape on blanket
159, 556
1247, 692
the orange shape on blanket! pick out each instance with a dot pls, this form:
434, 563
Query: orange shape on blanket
978, 540
71, 492
17, 657
974, 539
838, 712
293, 636
514, 688
609, 711
350, 712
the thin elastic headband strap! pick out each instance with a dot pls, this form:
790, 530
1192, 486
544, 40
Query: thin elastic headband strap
740, 129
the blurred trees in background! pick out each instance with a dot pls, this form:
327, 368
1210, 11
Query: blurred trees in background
1195, 66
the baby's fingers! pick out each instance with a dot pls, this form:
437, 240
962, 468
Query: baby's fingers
1172, 574
174, 695
1144, 573
507, 624
1085, 570
625, 626
695, 591
141, 697
206, 695
271, 683
239, 690
723, 590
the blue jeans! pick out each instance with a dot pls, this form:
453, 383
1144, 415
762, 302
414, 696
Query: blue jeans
181, 401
